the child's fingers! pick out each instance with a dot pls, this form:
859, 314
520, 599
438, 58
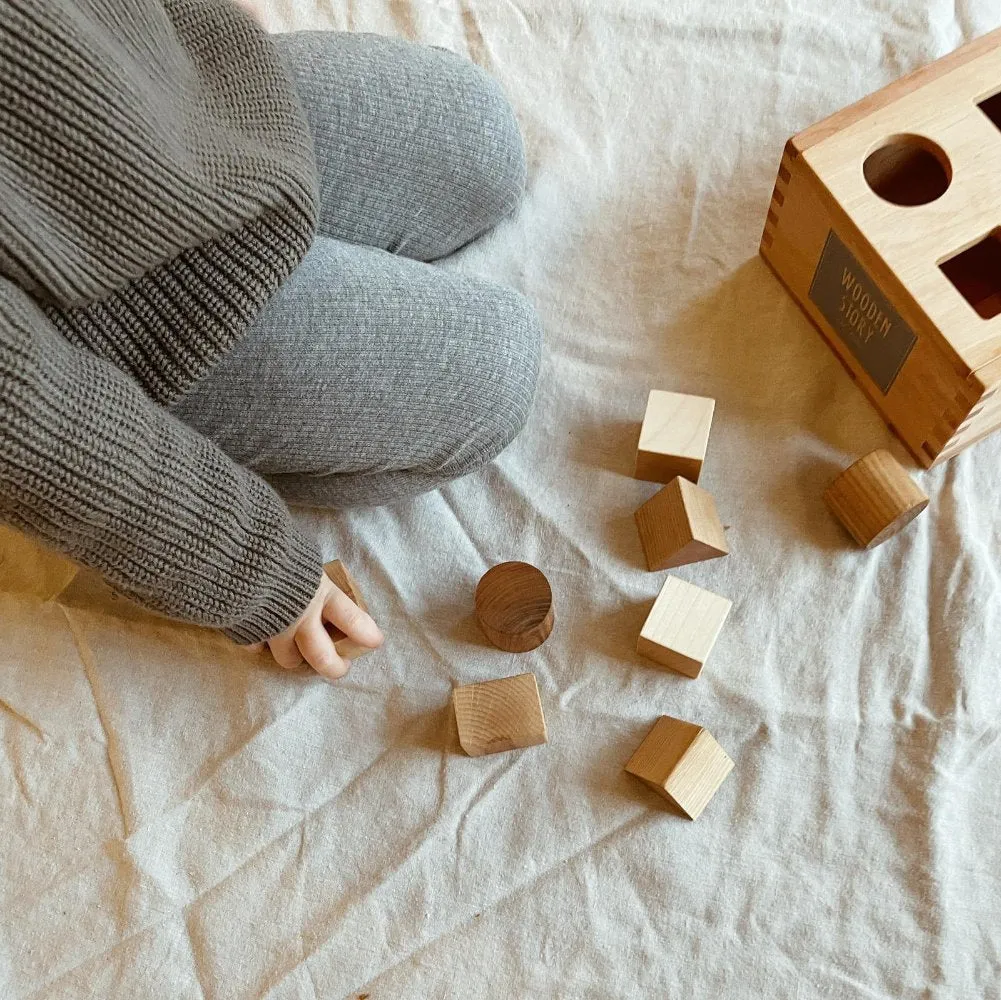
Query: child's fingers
317, 649
285, 651
340, 610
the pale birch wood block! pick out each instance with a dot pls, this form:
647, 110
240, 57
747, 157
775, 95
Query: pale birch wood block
680, 525
499, 715
681, 762
674, 436
683, 626
875, 498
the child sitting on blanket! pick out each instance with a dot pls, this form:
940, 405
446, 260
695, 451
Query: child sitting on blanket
216, 296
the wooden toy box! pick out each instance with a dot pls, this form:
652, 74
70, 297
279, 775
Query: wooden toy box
885, 226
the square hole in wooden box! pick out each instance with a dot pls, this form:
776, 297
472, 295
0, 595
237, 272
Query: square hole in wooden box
976, 273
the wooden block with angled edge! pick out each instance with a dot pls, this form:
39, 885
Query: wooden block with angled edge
504, 714
885, 226
674, 436
679, 525
875, 498
681, 762
683, 626
346, 648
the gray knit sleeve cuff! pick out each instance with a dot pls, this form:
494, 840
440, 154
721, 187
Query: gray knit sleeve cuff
284, 595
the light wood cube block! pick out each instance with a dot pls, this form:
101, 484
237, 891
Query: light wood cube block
499, 715
875, 498
674, 436
681, 762
683, 626
680, 525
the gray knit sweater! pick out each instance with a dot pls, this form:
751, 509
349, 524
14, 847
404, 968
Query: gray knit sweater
157, 183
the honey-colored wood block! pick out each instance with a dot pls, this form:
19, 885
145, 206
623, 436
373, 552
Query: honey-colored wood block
26, 567
514, 606
875, 498
683, 626
680, 525
674, 436
884, 227
504, 714
681, 762
346, 648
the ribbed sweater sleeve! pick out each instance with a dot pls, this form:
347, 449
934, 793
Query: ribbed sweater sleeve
93, 467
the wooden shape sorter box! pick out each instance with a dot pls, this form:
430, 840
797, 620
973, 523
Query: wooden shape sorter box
499, 715
679, 525
681, 762
885, 226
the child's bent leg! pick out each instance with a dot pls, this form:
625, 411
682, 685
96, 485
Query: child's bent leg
370, 377
418, 150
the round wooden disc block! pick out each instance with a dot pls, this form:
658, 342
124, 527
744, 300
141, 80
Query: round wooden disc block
875, 498
514, 606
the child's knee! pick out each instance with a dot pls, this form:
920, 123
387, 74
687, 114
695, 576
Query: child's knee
502, 169
491, 166
502, 387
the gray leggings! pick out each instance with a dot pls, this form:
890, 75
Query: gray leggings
373, 375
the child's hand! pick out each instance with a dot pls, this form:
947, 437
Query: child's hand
253, 8
308, 643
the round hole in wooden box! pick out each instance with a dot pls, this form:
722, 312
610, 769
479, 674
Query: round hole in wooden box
908, 170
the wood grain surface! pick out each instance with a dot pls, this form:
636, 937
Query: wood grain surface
514, 606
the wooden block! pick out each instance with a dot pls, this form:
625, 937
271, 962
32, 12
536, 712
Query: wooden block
514, 606
680, 525
875, 498
346, 648
683, 626
681, 762
674, 436
499, 715
884, 226
31, 569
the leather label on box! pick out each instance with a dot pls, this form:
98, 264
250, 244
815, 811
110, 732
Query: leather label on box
861, 314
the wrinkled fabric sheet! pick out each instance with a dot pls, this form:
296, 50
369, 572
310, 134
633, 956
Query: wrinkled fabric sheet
180, 820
